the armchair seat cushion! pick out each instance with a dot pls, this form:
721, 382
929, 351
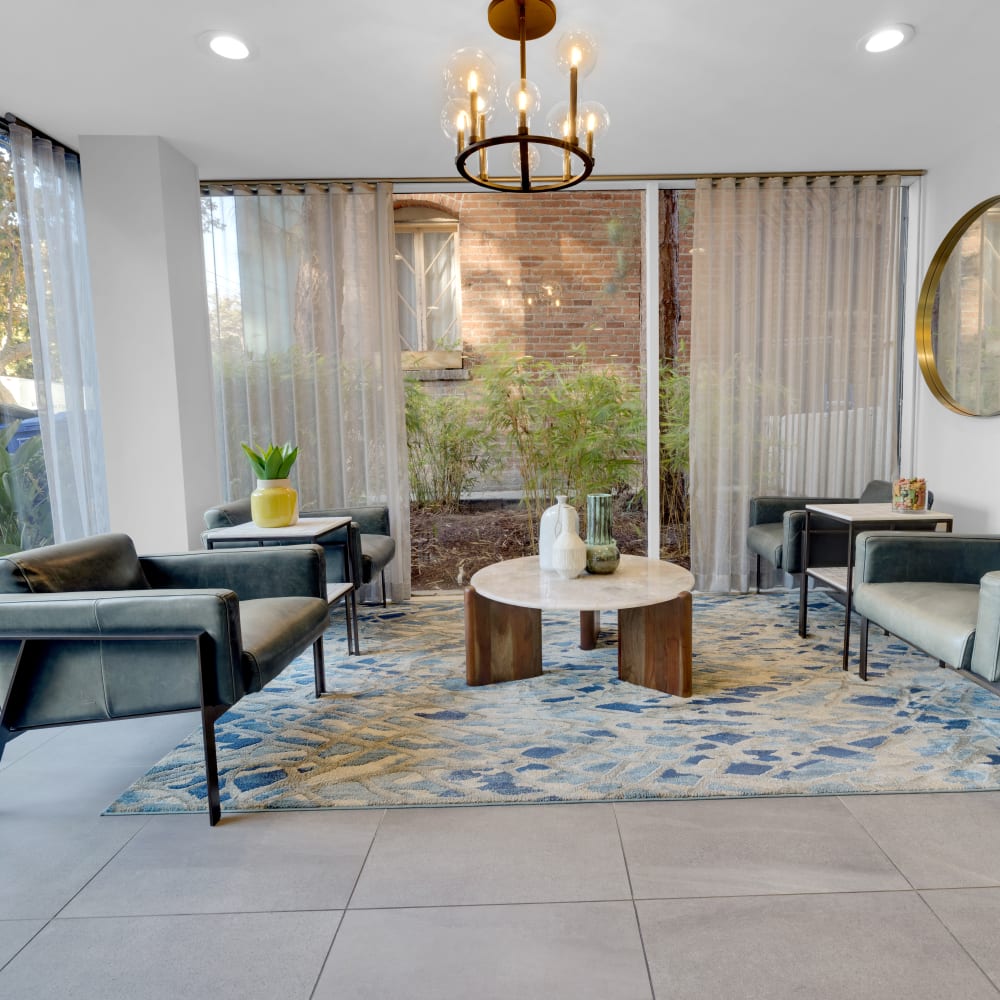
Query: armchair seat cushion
273, 630
939, 618
377, 552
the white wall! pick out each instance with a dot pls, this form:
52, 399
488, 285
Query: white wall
957, 455
142, 208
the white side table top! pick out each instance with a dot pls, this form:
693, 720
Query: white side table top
874, 512
306, 529
636, 583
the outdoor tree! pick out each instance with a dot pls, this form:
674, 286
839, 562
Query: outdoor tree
15, 341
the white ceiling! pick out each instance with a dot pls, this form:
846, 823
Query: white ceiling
339, 89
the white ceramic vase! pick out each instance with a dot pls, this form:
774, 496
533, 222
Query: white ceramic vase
547, 526
569, 551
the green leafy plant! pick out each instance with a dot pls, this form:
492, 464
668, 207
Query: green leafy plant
675, 409
25, 514
450, 444
272, 462
573, 427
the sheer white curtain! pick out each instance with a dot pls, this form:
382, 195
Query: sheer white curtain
306, 344
49, 202
794, 350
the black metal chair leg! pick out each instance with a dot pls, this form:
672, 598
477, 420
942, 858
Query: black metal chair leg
758, 573
383, 590
354, 618
319, 668
209, 714
350, 629
863, 651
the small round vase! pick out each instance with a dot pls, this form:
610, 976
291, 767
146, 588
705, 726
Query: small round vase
274, 504
602, 551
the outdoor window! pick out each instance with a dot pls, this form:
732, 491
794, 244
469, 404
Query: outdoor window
428, 288
51, 450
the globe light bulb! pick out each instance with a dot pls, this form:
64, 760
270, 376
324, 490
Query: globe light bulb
576, 48
450, 113
557, 119
593, 117
533, 97
471, 66
534, 159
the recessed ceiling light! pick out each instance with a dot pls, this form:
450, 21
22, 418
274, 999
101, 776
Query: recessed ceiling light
228, 46
889, 37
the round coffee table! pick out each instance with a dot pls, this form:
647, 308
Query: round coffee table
503, 619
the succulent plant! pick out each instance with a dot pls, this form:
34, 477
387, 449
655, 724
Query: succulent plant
272, 462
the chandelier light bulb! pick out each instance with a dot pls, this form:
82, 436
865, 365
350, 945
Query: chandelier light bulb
576, 48
557, 120
471, 70
594, 117
533, 97
534, 158
453, 110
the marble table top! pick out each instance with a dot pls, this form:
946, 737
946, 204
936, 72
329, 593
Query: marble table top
874, 512
306, 529
636, 583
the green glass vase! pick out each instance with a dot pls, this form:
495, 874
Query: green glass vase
602, 551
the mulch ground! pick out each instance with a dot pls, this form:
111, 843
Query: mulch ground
448, 547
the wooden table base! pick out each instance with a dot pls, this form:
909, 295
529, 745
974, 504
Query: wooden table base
654, 646
504, 642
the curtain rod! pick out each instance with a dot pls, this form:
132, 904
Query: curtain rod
258, 187
12, 119
637, 178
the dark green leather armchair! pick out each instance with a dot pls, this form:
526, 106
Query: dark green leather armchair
90, 631
777, 525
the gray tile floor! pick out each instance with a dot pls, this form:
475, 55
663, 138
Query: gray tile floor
886, 896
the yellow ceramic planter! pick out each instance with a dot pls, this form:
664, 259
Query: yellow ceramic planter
274, 504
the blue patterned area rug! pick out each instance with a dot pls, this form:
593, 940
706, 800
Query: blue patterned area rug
771, 714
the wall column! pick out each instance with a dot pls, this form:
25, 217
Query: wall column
144, 239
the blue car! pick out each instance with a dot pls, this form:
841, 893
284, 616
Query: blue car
29, 426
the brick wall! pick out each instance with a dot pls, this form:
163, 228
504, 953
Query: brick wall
541, 273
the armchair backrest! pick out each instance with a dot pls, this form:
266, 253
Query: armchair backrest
101, 562
877, 491
224, 515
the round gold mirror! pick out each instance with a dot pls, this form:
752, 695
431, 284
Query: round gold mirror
958, 315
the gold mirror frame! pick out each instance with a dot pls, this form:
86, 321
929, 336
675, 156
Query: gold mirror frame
926, 305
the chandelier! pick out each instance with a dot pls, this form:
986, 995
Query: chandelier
471, 95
